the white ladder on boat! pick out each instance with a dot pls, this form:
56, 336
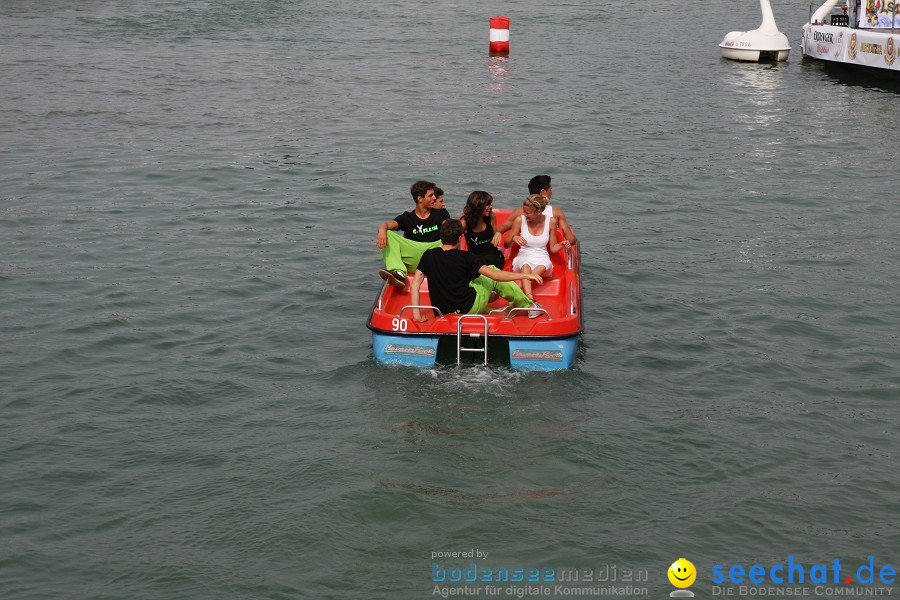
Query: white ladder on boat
459, 334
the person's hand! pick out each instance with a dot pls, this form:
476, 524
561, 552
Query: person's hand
496, 240
566, 244
381, 240
535, 278
519, 240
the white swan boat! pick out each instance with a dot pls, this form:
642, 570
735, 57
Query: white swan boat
859, 33
765, 43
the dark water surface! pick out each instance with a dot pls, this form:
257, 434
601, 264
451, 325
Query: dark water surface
189, 193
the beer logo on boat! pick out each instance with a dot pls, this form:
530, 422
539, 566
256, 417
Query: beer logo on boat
552, 355
890, 51
408, 350
853, 47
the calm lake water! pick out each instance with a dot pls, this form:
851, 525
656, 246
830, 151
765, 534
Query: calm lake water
189, 194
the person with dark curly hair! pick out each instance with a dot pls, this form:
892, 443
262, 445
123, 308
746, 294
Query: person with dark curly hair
480, 224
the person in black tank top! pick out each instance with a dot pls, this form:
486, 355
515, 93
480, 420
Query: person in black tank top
480, 226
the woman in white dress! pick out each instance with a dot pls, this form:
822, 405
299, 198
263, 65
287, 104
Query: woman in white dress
533, 233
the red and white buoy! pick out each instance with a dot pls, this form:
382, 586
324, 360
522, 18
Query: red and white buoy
499, 35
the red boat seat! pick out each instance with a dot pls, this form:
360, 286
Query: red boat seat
550, 287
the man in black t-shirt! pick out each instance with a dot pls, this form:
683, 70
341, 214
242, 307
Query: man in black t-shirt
420, 226
459, 283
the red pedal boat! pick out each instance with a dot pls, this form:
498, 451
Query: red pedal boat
548, 342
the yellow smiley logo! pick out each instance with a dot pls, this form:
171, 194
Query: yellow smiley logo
682, 573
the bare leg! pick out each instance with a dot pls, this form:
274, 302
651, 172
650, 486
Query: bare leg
526, 283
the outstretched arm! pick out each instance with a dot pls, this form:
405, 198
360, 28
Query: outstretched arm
508, 275
414, 295
512, 218
381, 238
564, 224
